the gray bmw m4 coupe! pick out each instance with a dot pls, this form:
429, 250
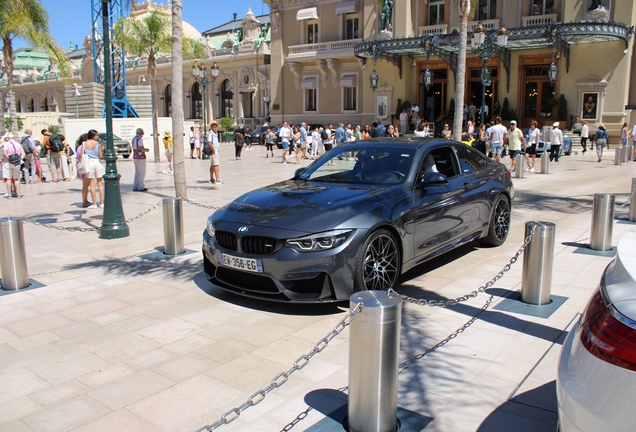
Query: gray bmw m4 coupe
356, 218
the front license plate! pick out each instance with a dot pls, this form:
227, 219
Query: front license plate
248, 264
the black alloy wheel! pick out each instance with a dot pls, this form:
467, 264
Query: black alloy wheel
378, 262
499, 223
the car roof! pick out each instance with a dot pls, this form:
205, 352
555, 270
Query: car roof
412, 141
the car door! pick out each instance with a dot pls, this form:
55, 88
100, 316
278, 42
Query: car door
440, 214
475, 176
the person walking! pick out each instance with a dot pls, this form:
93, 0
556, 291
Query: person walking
239, 142
600, 139
139, 159
93, 150
64, 171
197, 143
585, 133
12, 155
497, 133
625, 135
52, 158
341, 136
315, 142
168, 150
534, 135
79, 151
192, 138
215, 156
270, 138
556, 139
296, 137
285, 136
72, 160
30, 167
516, 142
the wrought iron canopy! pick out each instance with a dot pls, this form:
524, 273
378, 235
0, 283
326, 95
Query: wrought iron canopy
446, 46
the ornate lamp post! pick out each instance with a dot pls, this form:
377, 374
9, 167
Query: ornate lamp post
113, 223
373, 78
77, 95
200, 75
267, 101
486, 42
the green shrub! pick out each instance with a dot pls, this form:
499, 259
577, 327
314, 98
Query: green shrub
7, 123
562, 108
508, 113
54, 129
226, 123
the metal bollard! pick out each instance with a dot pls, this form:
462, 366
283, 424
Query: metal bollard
520, 166
618, 155
602, 222
545, 163
13, 265
627, 153
536, 279
374, 348
173, 226
632, 203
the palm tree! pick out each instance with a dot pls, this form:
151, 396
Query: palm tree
177, 100
147, 36
27, 20
466, 8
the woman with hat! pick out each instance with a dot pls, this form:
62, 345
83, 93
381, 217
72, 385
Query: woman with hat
167, 145
601, 140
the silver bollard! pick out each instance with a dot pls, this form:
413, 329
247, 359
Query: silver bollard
13, 265
633, 185
520, 166
602, 222
374, 347
545, 163
618, 155
632, 208
173, 226
536, 279
627, 150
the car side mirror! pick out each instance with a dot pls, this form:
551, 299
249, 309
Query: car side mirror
298, 172
432, 179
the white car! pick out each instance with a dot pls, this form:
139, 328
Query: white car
596, 382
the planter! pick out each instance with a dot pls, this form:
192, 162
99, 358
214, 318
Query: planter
227, 137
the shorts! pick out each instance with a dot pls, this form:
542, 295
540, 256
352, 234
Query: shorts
514, 153
214, 159
496, 147
269, 146
532, 150
167, 152
53, 160
624, 141
192, 145
328, 146
303, 145
10, 171
285, 145
95, 168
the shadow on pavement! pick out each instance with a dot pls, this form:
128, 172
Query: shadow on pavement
529, 200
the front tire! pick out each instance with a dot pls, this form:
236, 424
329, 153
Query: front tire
378, 262
499, 223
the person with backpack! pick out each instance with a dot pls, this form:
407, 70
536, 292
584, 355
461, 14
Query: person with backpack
600, 139
52, 155
13, 154
28, 146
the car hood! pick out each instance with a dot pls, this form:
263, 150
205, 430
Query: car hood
304, 206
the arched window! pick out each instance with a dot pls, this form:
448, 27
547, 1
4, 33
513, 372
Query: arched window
46, 104
197, 101
32, 105
167, 101
227, 99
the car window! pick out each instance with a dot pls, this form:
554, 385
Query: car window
441, 160
469, 160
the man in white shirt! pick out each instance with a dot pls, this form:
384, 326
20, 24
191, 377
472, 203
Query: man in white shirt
213, 142
497, 134
404, 118
192, 137
556, 139
585, 132
285, 136
484, 109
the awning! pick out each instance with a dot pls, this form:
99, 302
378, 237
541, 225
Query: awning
307, 14
347, 7
309, 83
349, 81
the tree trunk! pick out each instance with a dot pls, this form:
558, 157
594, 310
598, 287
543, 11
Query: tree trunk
460, 79
177, 101
152, 73
7, 52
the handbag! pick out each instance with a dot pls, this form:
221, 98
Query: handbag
83, 165
207, 149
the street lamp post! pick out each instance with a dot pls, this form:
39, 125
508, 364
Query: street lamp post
267, 101
113, 223
77, 95
487, 42
200, 75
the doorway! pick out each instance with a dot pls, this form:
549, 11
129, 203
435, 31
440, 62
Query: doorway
538, 95
432, 102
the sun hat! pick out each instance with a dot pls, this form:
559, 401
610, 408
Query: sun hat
555, 124
513, 122
168, 133
601, 125
7, 135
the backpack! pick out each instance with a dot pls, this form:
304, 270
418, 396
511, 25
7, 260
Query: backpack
24, 142
56, 143
324, 136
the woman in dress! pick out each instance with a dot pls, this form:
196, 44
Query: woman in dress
93, 150
296, 139
79, 147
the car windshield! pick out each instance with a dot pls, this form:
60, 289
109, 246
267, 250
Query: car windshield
362, 164
102, 137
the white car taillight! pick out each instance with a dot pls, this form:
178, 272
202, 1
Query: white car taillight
607, 334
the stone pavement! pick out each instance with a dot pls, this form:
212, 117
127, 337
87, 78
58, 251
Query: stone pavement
112, 336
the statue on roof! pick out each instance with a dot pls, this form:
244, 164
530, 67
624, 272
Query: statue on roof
262, 37
237, 41
596, 4
386, 15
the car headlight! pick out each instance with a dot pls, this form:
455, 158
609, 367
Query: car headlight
210, 228
320, 241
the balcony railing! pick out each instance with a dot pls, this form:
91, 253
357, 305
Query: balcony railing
538, 20
491, 24
439, 29
322, 48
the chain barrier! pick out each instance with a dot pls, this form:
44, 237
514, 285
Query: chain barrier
472, 294
626, 203
189, 201
84, 229
282, 377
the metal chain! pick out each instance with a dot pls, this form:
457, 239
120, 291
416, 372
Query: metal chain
160, 203
475, 293
189, 201
282, 377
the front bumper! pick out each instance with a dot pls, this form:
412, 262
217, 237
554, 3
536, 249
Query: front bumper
288, 275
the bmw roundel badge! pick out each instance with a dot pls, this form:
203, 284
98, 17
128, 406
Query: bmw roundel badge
243, 229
